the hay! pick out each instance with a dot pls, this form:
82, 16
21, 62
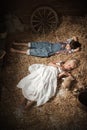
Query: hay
63, 111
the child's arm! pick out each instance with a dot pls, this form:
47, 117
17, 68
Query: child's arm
62, 52
75, 38
74, 50
64, 73
53, 64
77, 49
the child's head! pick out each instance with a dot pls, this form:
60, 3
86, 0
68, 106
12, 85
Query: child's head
70, 64
73, 45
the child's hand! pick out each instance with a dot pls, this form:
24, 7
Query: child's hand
75, 38
64, 73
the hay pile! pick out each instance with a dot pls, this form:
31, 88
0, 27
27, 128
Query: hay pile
63, 112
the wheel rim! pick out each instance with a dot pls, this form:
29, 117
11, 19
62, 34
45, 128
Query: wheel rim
43, 20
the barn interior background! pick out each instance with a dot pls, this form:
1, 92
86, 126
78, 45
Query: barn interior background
18, 22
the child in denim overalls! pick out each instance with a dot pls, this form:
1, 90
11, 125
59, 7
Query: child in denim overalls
46, 49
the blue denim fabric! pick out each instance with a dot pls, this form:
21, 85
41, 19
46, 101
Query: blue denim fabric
44, 49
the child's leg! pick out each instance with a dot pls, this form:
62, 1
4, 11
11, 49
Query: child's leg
18, 51
24, 102
29, 104
20, 44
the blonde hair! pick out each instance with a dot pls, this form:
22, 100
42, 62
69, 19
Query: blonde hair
75, 62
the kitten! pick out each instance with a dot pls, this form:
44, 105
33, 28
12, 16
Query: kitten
66, 84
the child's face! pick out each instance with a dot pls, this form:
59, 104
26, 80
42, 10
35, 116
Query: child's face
68, 47
69, 65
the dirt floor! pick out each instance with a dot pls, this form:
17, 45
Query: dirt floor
64, 111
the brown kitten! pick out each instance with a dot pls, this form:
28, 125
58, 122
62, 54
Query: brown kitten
66, 84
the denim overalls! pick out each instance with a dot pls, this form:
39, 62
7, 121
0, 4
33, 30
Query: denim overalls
44, 49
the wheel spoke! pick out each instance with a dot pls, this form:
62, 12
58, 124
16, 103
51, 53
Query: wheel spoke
35, 21
52, 17
39, 13
35, 25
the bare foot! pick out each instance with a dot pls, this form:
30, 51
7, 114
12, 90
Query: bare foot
12, 50
2, 53
15, 43
29, 104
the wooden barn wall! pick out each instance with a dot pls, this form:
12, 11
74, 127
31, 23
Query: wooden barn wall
24, 8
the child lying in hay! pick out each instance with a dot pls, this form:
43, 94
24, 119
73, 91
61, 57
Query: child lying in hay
46, 49
41, 84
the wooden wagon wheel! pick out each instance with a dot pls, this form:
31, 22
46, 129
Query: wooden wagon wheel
44, 19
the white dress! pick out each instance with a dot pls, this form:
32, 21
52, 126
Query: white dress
41, 84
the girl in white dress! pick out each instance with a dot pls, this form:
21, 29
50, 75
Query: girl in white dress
41, 84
